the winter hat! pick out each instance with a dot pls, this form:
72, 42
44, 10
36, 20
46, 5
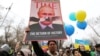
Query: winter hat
6, 48
97, 45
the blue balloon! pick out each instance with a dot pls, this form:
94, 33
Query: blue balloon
72, 16
82, 25
69, 29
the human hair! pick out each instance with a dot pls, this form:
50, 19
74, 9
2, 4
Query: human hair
21, 52
44, 7
51, 41
97, 45
81, 47
73, 51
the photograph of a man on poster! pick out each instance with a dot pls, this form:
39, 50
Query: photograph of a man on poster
46, 16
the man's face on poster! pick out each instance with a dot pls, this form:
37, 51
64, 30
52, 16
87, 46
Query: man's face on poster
46, 13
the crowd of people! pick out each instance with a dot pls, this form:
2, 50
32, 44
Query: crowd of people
52, 50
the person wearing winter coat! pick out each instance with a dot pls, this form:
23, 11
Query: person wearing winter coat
52, 49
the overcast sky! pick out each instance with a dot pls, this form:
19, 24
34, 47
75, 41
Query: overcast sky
22, 7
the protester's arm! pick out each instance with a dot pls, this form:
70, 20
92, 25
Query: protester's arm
38, 50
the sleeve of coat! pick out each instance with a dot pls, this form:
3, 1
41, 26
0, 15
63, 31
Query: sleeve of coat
37, 48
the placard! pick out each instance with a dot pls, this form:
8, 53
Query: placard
45, 21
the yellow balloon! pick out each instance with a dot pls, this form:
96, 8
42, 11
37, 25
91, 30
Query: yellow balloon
81, 15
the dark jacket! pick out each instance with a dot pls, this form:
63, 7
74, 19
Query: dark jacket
4, 53
38, 50
85, 53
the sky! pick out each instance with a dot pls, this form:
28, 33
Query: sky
21, 8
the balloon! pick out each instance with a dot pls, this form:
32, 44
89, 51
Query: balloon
72, 16
69, 29
81, 15
81, 25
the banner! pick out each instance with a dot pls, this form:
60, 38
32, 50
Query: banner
83, 42
45, 21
